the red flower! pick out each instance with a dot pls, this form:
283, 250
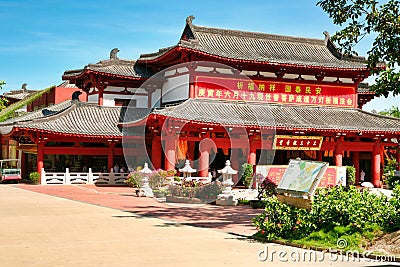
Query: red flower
262, 232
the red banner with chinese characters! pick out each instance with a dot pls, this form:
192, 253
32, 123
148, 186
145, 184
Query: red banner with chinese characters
290, 142
275, 92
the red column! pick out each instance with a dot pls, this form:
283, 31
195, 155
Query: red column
110, 159
100, 100
40, 158
355, 155
398, 159
376, 165
338, 152
191, 91
235, 163
169, 153
156, 152
319, 155
252, 158
149, 97
204, 161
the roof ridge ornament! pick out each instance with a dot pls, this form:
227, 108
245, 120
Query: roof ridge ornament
189, 19
113, 53
327, 37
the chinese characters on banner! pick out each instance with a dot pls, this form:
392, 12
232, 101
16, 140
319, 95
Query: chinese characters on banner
289, 142
275, 92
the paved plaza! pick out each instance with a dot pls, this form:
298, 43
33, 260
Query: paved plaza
103, 226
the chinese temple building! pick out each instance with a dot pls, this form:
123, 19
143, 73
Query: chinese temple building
222, 94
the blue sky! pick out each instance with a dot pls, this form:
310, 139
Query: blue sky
41, 39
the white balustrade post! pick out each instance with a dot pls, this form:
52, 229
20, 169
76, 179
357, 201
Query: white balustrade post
42, 177
67, 179
90, 176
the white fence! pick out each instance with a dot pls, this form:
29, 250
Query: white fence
83, 178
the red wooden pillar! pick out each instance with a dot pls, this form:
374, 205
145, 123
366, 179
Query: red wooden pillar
355, 156
40, 159
110, 156
376, 165
398, 159
338, 152
319, 155
235, 163
191, 91
156, 152
252, 158
204, 160
101, 88
170, 153
149, 97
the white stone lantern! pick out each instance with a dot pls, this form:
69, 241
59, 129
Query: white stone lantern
187, 170
145, 189
226, 197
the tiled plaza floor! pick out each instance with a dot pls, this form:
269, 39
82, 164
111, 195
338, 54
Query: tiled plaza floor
235, 220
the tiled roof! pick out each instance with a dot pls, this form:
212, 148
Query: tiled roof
252, 46
230, 113
364, 88
19, 94
119, 67
79, 118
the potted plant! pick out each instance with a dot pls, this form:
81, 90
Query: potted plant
34, 177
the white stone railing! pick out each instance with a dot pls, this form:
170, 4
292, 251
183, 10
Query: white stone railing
83, 177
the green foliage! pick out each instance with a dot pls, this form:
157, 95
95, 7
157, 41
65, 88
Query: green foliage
247, 175
329, 238
283, 221
350, 175
380, 19
8, 112
265, 187
392, 112
34, 177
389, 169
157, 179
333, 209
135, 179
3, 100
196, 190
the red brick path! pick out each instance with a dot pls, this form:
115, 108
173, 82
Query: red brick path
236, 220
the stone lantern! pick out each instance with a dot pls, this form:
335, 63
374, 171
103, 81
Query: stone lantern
187, 170
226, 197
145, 189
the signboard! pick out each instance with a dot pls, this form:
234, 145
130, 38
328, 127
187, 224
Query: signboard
290, 142
302, 176
333, 175
275, 92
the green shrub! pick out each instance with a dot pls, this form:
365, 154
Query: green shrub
34, 177
333, 208
350, 175
247, 176
389, 169
135, 179
157, 178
